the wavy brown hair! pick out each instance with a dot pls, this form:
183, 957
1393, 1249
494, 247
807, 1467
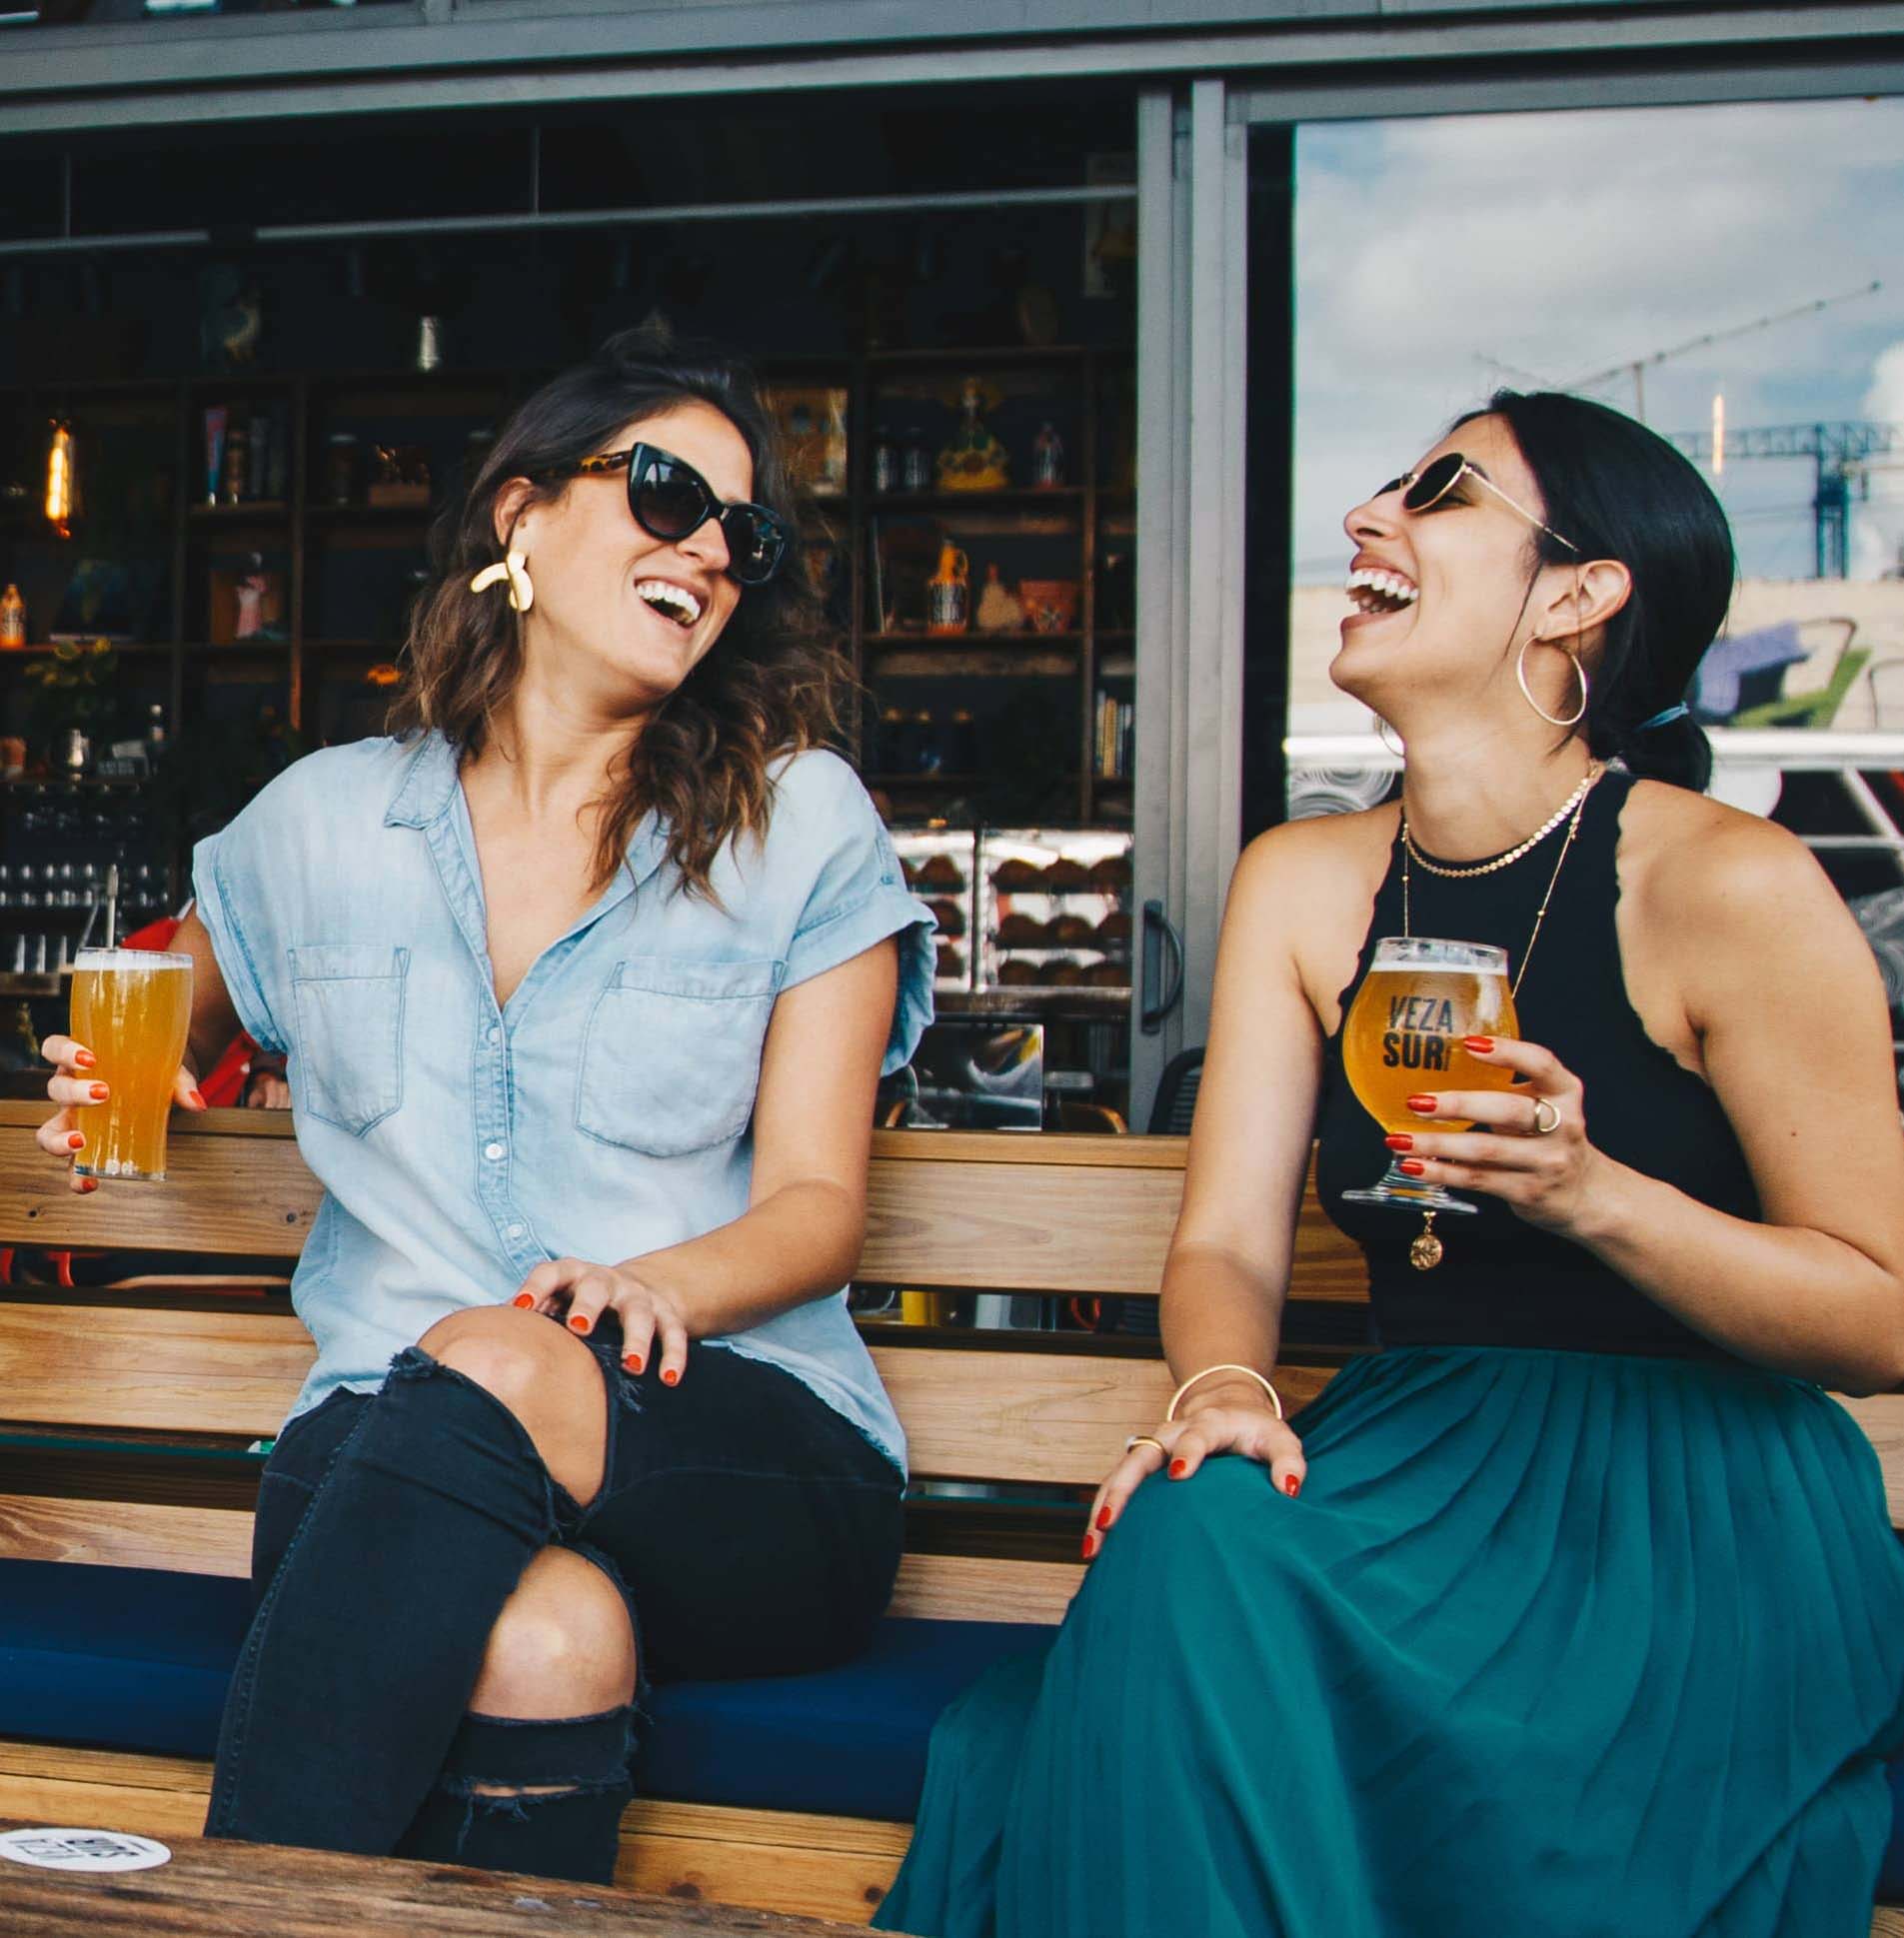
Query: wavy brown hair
773, 682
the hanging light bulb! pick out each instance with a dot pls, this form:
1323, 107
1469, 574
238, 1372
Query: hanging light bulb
59, 481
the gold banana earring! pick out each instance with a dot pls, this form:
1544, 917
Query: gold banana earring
513, 569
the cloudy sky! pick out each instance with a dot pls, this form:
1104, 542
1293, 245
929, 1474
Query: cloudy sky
1559, 245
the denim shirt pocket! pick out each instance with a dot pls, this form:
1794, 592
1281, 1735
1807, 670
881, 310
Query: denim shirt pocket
349, 1003
671, 1059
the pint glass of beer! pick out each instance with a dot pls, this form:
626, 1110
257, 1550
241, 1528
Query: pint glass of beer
130, 1009
1403, 1035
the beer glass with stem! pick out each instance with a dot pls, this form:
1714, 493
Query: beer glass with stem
1421, 996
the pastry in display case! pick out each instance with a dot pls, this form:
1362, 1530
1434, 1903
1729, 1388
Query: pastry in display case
1053, 909
940, 866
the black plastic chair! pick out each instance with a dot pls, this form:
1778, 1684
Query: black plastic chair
1175, 1102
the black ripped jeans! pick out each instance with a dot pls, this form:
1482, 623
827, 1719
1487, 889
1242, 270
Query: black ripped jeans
751, 1528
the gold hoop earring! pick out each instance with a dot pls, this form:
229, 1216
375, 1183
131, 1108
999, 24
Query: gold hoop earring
1526, 692
513, 569
1398, 746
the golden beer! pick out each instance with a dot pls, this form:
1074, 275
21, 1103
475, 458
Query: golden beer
1421, 996
132, 1009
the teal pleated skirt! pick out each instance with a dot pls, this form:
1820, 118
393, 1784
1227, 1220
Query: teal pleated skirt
1553, 1643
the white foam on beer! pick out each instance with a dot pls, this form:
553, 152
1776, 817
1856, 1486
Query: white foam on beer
130, 961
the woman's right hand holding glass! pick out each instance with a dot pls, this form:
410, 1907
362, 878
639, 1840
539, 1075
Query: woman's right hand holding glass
75, 1087
1221, 1418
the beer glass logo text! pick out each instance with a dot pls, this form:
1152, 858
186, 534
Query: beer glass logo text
1420, 1035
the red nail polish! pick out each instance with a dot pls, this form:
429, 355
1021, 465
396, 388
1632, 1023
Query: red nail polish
1412, 1167
1399, 1141
1422, 1105
1090, 1546
196, 1100
88, 1184
1292, 1487
671, 1377
74, 1141
1480, 1045
1103, 1517
524, 1299
98, 1092
1178, 1468
631, 1363
84, 1059
579, 1324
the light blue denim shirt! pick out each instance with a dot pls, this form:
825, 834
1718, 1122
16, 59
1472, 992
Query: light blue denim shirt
605, 1111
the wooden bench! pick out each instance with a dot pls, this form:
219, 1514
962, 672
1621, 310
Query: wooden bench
125, 1411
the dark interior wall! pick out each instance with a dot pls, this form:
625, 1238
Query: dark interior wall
785, 287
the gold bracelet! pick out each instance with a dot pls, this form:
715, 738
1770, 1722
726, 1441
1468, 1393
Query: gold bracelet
1249, 1372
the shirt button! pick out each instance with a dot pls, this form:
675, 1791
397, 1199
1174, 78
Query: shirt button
495, 1152
516, 1230
494, 1036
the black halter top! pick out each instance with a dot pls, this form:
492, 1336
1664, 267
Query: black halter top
1502, 1282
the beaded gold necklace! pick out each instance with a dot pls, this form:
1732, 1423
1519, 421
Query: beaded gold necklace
1574, 805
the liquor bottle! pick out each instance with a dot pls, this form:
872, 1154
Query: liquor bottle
12, 619
948, 593
886, 461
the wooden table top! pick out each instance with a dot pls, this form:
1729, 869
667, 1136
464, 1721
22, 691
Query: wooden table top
226, 1890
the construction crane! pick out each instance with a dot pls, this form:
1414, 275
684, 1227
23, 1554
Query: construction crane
1638, 367
1840, 454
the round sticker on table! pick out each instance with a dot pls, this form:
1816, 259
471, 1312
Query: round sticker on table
82, 1850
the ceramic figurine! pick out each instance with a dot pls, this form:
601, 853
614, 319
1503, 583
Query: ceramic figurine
999, 609
975, 460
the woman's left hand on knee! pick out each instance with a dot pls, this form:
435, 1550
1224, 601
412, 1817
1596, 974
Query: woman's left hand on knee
578, 1294
1530, 1146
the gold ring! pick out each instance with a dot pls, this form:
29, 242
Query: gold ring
1146, 1440
1552, 1108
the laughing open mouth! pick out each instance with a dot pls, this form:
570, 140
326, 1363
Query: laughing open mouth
1381, 592
672, 602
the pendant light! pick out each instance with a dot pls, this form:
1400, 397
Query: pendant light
61, 488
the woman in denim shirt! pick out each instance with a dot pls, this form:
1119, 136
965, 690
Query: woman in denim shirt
586, 981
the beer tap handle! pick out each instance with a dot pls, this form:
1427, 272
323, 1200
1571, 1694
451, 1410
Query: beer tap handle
112, 905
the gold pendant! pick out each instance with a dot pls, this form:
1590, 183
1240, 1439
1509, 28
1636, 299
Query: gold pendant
1425, 1254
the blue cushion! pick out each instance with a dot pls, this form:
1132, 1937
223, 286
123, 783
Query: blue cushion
132, 1658
128, 1657
136, 1659
849, 1742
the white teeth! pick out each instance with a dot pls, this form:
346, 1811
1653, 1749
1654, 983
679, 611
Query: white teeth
1390, 586
677, 601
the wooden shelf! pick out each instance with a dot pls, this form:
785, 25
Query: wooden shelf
1031, 999
131, 650
318, 517
1013, 499
1000, 355
251, 510
959, 642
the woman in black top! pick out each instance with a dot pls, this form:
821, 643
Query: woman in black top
1574, 1607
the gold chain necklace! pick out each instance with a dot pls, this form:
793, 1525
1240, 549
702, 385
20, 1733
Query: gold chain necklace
1427, 1251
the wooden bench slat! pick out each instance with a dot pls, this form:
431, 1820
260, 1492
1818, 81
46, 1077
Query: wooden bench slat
151, 1370
982, 1588
794, 1862
125, 1534
1055, 1417
248, 1196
